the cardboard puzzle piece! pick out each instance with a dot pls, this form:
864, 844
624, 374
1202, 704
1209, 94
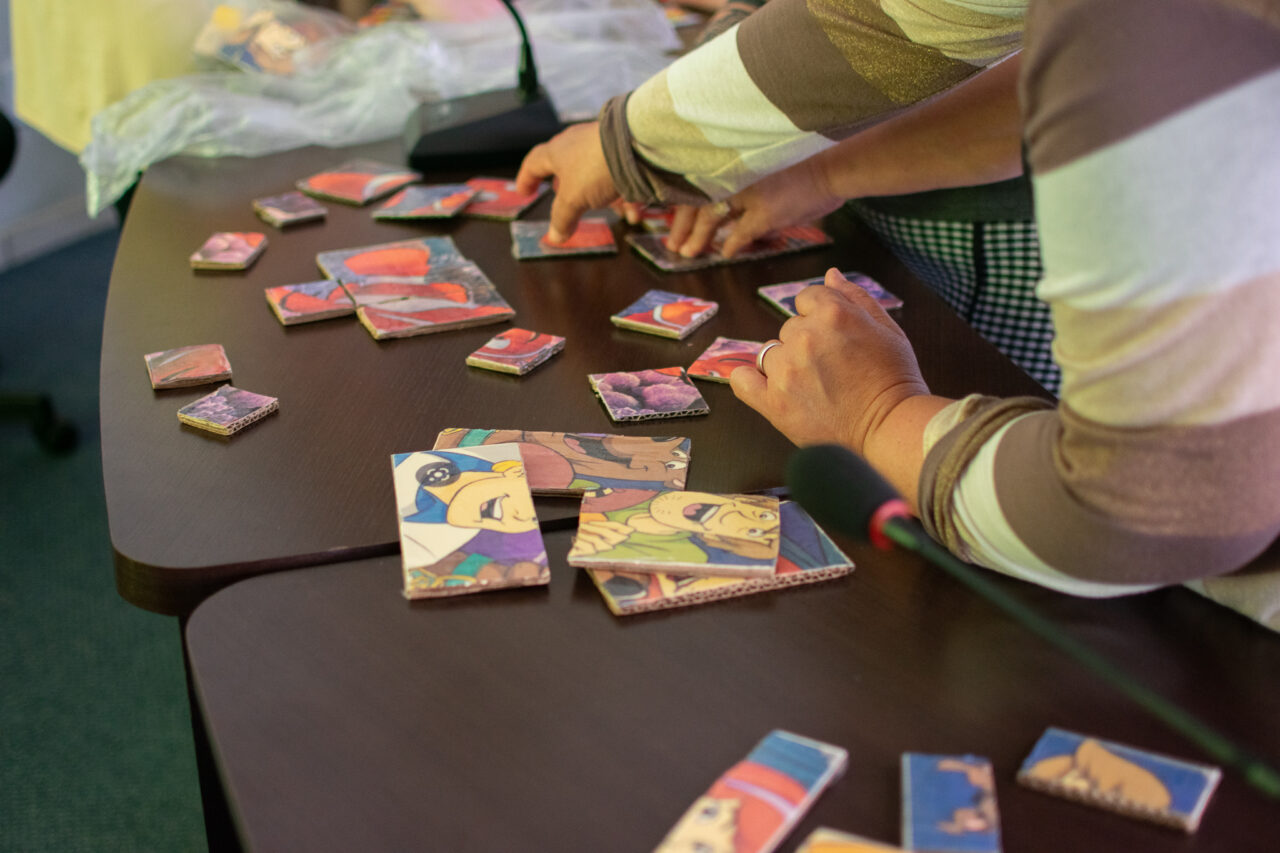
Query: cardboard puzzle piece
467, 522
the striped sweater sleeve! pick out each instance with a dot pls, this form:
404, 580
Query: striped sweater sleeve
1151, 128
789, 81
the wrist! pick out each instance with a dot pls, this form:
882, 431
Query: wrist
894, 442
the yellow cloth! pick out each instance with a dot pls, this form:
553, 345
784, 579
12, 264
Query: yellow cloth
72, 58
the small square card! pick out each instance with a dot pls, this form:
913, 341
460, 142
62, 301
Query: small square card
723, 357
593, 237
289, 209
497, 198
949, 804
797, 238
516, 351
641, 395
403, 260
358, 182
202, 364
438, 201
227, 410
452, 297
668, 315
576, 463
805, 555
783, 296
755, 803
312, 300
1120, 778
466, 522
693, 533
657, 220
825, 840
229, 250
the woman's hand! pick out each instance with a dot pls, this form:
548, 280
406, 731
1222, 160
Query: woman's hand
574, 161
841, 368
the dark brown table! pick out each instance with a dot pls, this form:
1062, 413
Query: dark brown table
190, 512
343, 717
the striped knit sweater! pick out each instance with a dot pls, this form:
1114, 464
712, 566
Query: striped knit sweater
1151, 128
789, 81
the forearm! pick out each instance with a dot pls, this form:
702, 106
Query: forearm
895, 445
970, 135
789, 82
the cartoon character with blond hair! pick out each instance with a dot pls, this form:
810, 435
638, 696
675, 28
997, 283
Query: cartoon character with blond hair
688, 527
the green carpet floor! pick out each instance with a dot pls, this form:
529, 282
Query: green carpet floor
95, 735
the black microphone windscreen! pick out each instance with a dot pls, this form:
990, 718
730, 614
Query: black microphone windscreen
838, 488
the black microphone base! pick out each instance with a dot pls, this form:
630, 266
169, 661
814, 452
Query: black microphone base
490, 128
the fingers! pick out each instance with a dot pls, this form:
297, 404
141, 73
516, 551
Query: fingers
629, 210
565, 214
534, 169
746, 231
748, 385
705, 224
682, 219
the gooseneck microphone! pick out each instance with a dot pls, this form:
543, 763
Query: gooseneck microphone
843, 493
489, 128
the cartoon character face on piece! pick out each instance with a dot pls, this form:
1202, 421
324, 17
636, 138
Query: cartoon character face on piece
662, 459
496, 499
709, 826
738, 517
742, 524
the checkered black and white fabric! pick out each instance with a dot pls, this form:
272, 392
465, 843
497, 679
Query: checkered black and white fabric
987, 272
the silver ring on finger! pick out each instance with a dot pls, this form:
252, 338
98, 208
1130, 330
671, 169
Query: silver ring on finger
760, 355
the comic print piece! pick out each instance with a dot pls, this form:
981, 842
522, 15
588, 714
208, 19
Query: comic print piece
665, 314
229, 250
679, 532
949, 804
516, 351
498, 198
201, 364
797, 238
594, 236
783, 296
1120, 778
227, 410
640, 395
723, 357
755, 803
805, 555
616, 470
453, 297
289, 208
826, 840
657, 220
403, 260
358, 182
437, 201
309, 301
467, 522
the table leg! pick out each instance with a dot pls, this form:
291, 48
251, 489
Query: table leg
219, 828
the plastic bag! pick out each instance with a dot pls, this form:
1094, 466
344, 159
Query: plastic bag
362, 87
266, 39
